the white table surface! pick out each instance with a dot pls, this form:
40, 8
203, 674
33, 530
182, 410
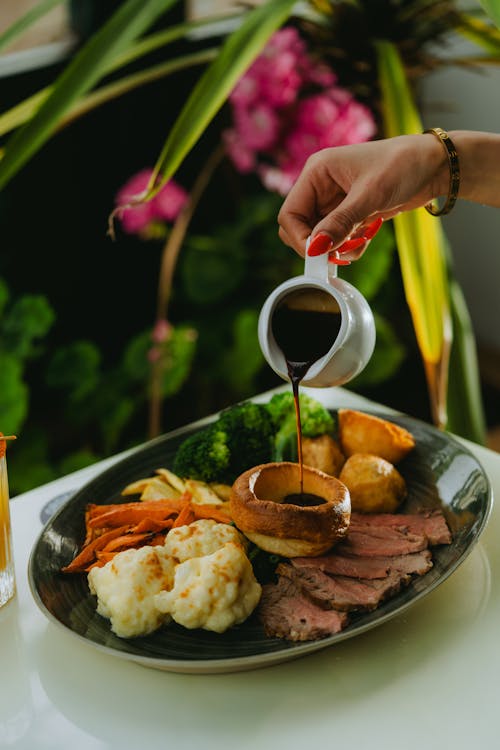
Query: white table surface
427, 679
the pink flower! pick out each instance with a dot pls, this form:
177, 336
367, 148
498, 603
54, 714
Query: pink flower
357, 123
287, 106
321, 75
169, 202
317, 113
162, 331
280, 80
242, 157
135, 218
277, 180
287, 39
257, 127
246, 91
165, 206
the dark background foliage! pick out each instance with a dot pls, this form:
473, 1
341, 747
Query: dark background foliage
77, 306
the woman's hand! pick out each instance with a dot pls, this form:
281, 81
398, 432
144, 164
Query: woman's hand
344, 193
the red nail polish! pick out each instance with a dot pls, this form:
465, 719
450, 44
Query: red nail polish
354, 244
321, 244
372, 229
338, 261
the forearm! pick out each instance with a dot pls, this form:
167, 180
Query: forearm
479, 157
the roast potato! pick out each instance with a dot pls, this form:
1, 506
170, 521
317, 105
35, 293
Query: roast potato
374, 484
323, 453
364, 433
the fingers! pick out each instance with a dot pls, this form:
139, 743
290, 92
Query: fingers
351, 249
298, 245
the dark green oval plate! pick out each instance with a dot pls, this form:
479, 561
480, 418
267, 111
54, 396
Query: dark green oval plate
440, 472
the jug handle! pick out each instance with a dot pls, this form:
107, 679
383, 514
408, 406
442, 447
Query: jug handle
318, 266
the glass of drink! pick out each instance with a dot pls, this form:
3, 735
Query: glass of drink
7, 579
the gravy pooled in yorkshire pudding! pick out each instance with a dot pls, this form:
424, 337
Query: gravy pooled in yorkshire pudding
267, 506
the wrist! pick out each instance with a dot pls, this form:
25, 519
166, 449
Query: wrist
479, 157
439, 169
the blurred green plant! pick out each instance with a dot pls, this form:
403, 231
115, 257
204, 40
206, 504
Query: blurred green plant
23, 325
347, 35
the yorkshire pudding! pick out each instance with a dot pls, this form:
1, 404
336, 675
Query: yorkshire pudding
260, 510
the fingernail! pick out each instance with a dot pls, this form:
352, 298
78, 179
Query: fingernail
321, 244
338, 261
354, 244
372, 229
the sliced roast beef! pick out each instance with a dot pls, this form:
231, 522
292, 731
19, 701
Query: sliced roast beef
286, 613
431, 524
381, 541
380, 554
340, 592
356, 566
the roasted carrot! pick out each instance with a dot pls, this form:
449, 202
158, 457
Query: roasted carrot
185, 517
168, 505
126, 541
129, 516
87, 554
153, 525
114, 527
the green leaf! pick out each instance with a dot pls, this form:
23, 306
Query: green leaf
369, 276
30, 318
177, 357
75, 368
128, 83
4, 296
436, 303
20, 113
386, 359
482, 33
136, 365
492, 8
131, 19
118, 415
244, 360
212, 268
238, 52
26, 21
13, 395
420, 241
465, 406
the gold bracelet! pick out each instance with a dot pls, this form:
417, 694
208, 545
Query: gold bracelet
454, 166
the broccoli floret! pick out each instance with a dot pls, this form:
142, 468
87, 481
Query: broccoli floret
315, 420
241, 437
203, 456
250, 432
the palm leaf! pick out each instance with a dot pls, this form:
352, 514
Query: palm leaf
480, 33
20, 113
420, 243
128, 83
27, 20
492, 8
213, 88
465, 406
131, 19
434, 297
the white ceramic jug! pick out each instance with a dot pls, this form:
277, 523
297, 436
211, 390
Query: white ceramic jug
351, 347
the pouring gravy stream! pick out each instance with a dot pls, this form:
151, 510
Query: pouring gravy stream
305, 325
